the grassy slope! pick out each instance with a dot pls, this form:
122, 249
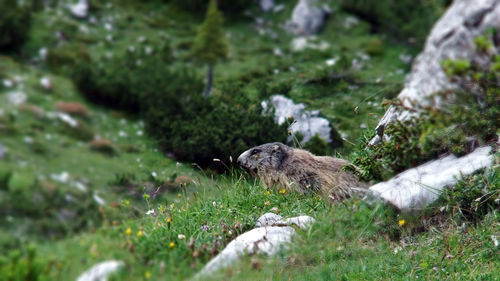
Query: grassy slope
351, 240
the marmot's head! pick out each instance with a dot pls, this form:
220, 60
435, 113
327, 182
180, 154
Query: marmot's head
268, 156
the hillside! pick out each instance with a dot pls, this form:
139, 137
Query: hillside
108, 151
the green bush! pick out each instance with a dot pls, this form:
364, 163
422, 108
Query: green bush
18, 266
124, 81
21, 183
403, 18
14, 24
4, 177
466, 118
211, 128
473, 197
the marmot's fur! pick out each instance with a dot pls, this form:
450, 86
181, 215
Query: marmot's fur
286, 167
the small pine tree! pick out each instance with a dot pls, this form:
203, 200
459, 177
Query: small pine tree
211, 43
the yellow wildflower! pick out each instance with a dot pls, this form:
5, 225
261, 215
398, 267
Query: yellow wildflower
169, 220
171, 245
401, 222
282, 191
179, 195
267, 192
128, 231
140, 233
147, 274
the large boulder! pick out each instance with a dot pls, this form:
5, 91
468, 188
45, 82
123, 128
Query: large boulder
307, 18
271, 233
414, 189
306, 122
451, 38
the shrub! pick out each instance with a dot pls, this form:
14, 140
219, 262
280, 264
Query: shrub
211, 128
19, 266
403, 19
474, 196
465, 118
125, 80
14, 24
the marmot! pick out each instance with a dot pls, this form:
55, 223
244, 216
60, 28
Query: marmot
286, 167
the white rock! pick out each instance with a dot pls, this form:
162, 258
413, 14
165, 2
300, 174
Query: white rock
108, 26
80, 9
98, 199
416, 188
271, 219
43, 52
62, 177
101, 271
80, 186
266, 5
65, 118
452, 37
16, 97
273, 234
46, 83
278, 52
307, 18
28, 139
299, 44
350, 21
7, 83
332, 61
308, 123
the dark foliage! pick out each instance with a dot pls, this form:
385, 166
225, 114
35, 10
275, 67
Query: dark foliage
208, 129
228, 6
15, 21
402, 19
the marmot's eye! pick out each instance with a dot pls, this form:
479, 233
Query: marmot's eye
254, 151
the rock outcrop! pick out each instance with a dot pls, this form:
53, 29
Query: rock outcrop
272, 232
307, 18
307, 123
414, 189
452, 37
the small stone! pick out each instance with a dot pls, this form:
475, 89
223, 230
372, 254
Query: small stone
17, 97
80, 9
101, 271
7, 83
46, 83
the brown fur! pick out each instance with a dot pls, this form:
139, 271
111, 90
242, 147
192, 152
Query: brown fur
278, 165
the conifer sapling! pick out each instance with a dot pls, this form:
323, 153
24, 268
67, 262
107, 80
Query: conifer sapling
211, 44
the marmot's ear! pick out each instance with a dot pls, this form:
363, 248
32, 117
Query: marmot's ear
276, 156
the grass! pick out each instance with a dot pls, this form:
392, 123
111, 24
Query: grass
350, 241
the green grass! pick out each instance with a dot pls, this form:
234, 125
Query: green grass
350, 241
